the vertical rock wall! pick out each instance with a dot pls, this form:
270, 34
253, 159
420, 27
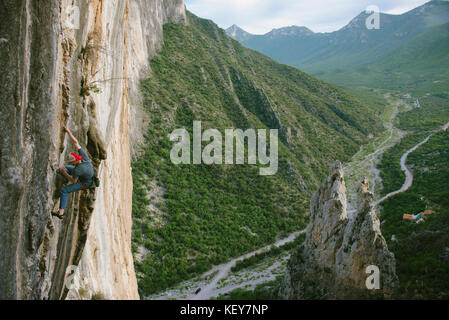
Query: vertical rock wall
30, 110
87, 78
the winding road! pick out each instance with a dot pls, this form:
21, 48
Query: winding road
408, 173
359, 165
224, 269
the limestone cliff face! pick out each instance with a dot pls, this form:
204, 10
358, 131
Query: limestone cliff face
87, 78
339, 246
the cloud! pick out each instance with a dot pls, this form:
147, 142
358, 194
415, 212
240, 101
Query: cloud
261, 16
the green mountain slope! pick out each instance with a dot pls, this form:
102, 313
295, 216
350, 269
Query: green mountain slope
189, 217
420, 65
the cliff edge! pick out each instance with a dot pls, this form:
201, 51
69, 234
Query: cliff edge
77, 63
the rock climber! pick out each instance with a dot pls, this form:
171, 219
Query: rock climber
79, 172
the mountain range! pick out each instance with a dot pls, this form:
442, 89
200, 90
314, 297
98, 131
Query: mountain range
356, 55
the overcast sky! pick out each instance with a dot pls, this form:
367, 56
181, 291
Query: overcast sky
261, 16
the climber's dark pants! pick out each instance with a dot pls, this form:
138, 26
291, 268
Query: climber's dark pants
65, 192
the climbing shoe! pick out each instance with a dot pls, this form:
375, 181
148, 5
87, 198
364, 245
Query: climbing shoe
57, 215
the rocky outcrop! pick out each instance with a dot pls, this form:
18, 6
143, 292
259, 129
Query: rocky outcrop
339, 247
86, 76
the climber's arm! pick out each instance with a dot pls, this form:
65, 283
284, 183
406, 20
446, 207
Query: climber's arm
69, 177
72, 138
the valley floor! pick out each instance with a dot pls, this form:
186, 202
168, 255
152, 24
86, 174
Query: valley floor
364, 163
220, 281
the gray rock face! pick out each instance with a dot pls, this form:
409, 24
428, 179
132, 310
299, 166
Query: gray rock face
145, 34
28, 145
332, 262
290, 31
237, 33
86, 78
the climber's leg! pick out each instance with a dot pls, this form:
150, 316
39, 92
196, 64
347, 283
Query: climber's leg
65, 192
